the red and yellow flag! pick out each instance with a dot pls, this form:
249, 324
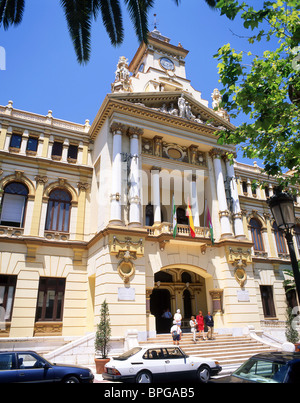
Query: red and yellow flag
191, 221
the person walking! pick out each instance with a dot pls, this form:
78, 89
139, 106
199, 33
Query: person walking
176, 333
200, 322
209, 321
193, 324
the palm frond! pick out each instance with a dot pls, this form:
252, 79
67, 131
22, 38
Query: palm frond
211, 3
11, 12
78, 14
138, 11
112, 20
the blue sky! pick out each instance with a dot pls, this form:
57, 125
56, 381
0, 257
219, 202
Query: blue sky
42, 72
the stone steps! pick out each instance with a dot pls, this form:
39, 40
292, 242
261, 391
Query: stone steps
230, 351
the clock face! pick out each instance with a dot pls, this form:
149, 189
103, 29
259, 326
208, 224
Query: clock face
167, 63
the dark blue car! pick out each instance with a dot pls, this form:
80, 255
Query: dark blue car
28, 366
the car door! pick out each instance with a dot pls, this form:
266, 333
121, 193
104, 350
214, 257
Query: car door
31, 368
8, 372
154, 361
176, 363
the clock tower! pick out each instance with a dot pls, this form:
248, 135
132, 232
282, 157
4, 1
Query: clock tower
160, 66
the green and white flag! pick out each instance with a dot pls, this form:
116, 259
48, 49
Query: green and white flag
174, 218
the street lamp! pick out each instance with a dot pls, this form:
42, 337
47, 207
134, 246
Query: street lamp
282, 207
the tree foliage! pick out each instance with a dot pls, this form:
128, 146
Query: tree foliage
265, 87
103, 332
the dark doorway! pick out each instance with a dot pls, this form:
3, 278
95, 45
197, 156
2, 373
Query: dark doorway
160, 301
187, 304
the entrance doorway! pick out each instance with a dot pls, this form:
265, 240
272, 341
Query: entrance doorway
177, 288
160, 302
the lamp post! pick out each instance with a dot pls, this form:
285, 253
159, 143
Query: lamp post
282, 207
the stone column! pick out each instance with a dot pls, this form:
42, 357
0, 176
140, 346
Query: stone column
155, 194
237, 215
117, 130
134, 191
24, 142
82, 190
41, 181
194, 201
223, 209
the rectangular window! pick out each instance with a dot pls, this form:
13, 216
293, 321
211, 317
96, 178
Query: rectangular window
57, 149
266, 292
50, 299
7, 293
72, 152
32, 144
15, 141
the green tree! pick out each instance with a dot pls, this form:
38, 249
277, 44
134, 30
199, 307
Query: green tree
81, 13
103, 332
265, 87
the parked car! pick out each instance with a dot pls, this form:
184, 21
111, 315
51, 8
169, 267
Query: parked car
163, 363
28, 366
276, 367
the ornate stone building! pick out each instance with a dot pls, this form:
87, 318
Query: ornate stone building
87, 212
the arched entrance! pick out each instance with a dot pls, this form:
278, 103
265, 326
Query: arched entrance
160, 303
178, 288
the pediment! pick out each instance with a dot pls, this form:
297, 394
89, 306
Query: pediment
164, 106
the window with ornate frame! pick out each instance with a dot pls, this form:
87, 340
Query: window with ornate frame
50, 299
266, 292
256, 234
58, 213
14, 204
280, 239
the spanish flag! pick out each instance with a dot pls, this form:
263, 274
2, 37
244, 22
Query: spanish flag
191, 221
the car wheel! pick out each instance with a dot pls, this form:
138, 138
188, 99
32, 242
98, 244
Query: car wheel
71, 379
203, 374
143, 377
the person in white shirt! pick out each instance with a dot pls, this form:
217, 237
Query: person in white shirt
193, 324
178, 317
176, 333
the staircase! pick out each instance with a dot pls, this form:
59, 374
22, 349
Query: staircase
230, 351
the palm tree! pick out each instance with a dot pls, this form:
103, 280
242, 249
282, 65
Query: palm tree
81, 13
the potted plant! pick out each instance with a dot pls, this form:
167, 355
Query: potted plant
102, 339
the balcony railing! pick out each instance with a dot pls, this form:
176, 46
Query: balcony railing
166, 228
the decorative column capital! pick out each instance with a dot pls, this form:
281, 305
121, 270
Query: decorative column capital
135, 132
41, 179
216, 153
83, 186
118, 127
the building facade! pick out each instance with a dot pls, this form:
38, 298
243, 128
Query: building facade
87, 213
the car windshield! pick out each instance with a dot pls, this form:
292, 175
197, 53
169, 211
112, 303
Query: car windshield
262, 371
128, 354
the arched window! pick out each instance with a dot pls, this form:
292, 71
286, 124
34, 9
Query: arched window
255, 227
58, 214
280, 241
14, 204
186, 277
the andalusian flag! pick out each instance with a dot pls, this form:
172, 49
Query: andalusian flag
191, 221
209, 224
174, 218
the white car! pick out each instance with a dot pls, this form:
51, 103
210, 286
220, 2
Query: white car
163, 363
